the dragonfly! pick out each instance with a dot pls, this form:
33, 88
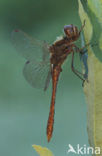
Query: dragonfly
44, 61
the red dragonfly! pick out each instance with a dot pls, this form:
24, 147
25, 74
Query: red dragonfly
44, 61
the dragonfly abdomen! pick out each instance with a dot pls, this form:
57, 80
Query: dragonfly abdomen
55, 75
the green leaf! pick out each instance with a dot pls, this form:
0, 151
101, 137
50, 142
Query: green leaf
92, 12
42, 151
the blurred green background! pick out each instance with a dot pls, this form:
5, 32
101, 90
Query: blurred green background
23, 109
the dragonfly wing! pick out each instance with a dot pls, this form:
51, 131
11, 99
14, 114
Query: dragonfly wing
47, 80
36, 73
30, 48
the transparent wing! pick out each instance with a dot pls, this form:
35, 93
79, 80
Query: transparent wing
37, 74
37, 68
30, 48
47, 80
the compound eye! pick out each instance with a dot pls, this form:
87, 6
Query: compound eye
68, 29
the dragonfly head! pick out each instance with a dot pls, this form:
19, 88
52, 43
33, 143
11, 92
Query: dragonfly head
71, 32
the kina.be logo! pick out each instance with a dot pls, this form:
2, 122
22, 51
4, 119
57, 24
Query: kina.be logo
83, 150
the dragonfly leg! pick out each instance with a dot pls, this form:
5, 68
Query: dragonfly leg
74, 70
81, 50
86, 45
